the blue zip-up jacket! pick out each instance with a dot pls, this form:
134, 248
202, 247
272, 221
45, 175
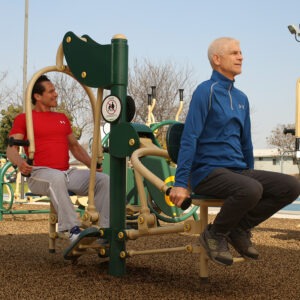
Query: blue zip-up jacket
217, 132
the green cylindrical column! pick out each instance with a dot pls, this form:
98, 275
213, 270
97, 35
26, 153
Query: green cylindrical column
118, 168
3, 171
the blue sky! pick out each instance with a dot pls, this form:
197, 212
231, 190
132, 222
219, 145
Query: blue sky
171, 30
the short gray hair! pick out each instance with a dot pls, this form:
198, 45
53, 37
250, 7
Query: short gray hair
218, 46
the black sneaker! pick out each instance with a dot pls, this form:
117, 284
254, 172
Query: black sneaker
240, 239
216, 246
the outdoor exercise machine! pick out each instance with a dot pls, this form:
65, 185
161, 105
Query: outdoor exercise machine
151, 105
7, 169
158, 203
106, 67
129, 140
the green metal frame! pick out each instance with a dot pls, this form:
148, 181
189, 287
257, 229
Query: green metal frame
106, 66
156, 126
9, 210
160, 167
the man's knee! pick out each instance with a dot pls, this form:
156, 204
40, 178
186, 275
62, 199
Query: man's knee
58, 179
102, 182
103, 178
251, 192
293, 187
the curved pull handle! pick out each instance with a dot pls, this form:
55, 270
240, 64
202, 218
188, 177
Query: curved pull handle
185, 204
30, 162
14, 142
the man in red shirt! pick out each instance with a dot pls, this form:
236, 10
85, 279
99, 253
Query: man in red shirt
51, 174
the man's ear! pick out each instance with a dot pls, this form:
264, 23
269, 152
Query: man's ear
37, 96
216, 59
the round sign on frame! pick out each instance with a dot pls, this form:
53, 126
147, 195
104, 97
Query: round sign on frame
111, 108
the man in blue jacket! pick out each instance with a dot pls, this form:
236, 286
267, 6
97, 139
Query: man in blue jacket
216, 159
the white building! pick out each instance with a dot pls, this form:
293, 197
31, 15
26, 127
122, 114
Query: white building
271, 160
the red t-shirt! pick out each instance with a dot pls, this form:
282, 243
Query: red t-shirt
51, 130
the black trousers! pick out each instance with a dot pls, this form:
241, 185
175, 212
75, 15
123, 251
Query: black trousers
251, 196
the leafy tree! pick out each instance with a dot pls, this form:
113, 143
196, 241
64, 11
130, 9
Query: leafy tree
7, 118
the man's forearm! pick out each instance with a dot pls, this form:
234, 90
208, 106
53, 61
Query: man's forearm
13, 155
81, 155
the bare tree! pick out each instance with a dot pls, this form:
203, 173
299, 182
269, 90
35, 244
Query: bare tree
168, 78
75, 102
9, 95
2, 79
284, 142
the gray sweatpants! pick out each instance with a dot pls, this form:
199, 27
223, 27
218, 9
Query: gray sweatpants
56, 184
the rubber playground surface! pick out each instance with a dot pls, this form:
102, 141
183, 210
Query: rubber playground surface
28, 271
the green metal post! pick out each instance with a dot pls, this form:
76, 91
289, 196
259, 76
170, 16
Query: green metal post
3, 170
1, 200
118, 168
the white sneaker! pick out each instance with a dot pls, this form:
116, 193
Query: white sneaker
74, 234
